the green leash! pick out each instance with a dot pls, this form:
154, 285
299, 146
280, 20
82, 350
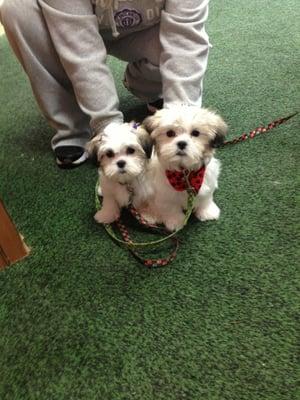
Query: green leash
109, 227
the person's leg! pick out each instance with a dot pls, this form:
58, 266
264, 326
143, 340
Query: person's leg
142, 52
29, 37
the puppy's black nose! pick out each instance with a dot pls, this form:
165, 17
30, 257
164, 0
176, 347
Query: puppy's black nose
121, 163
182, 144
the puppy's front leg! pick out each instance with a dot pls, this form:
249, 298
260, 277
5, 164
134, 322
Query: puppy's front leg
148, 214
109, 212
206, 209
172, 217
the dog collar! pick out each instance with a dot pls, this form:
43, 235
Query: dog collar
185, 179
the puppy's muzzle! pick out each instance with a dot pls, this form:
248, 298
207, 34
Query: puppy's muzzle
181, 144
121, 165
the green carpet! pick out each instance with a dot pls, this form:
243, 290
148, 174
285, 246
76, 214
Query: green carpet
81, 319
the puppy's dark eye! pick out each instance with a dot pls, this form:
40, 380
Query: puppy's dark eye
170, 133
195, 133
110, 154
130, 150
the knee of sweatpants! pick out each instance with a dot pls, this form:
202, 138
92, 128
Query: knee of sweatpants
14, 13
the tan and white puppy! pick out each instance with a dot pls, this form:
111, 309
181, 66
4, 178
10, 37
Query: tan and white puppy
122, 168
185, 138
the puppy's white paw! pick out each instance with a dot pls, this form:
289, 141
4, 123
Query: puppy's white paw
147, 213
106, 216
175, 222
151, 219
210, 212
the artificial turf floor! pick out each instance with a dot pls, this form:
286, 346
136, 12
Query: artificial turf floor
81, 319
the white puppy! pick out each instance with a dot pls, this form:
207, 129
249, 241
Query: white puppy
122, 171
184, 140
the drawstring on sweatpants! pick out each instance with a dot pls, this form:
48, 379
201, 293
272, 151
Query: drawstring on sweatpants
110, 6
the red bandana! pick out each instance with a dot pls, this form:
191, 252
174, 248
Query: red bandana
177, 179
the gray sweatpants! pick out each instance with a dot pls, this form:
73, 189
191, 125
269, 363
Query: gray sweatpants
27, 32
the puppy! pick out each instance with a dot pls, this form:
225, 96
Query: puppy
185, 138
122, 168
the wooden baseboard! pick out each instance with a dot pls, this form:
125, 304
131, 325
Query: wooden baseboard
12, 246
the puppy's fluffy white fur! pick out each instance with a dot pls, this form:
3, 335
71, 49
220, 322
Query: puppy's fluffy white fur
122, 172
184, 138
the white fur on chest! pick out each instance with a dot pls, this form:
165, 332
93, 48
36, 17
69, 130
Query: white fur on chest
137, 192
115, 190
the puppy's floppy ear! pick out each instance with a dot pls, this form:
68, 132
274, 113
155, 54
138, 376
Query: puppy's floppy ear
220, 128
152, 122
93, 145
145, 140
